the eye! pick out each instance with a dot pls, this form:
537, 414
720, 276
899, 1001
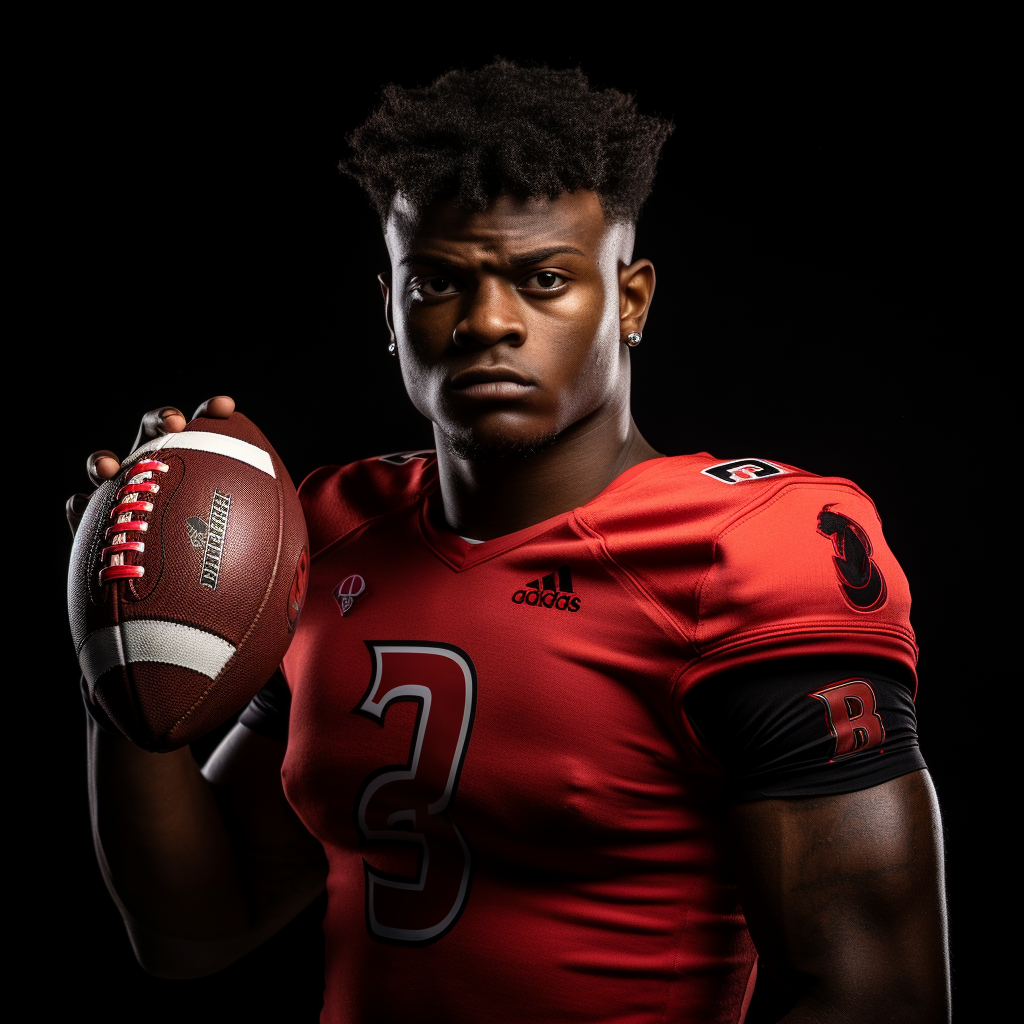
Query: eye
545, 281
434, 287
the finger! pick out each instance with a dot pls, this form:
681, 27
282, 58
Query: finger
75, 508
102, 466
219, 408
168, 419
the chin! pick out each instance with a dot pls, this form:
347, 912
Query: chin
474, 446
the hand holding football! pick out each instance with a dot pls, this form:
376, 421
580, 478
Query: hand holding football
186, 580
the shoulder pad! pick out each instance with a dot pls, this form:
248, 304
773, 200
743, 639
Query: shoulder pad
339, 499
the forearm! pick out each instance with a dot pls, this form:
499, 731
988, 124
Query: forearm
161, 841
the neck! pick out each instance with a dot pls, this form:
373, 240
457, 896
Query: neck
490, 498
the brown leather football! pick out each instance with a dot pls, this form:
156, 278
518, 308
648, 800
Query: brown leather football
187, 577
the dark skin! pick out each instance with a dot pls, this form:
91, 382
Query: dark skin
538, 292
845, 901
509, 325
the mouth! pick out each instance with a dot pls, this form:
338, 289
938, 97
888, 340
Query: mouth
492, 382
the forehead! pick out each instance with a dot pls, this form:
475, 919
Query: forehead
508, 226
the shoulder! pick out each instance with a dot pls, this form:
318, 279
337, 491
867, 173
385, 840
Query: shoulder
747, 551
336, 500
699, 497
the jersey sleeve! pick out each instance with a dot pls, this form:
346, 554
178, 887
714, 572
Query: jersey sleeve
806, 571
801, 579
747, 572
267, 713
801, 727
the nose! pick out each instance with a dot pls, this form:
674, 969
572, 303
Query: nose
493, 316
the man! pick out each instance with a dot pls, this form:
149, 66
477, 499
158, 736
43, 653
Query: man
563, 716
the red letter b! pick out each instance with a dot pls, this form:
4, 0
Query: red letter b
852, 715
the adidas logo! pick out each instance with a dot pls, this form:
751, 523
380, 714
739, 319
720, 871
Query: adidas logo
551, 591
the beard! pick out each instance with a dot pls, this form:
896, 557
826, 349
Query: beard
470, 449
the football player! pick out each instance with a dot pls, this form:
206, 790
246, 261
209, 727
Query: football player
570, 730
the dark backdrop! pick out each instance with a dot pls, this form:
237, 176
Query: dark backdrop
822, 226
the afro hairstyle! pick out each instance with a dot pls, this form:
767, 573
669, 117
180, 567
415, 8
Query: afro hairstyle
506, 129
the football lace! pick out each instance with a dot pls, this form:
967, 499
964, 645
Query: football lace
131, 502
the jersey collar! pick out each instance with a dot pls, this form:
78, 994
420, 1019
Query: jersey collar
461, 554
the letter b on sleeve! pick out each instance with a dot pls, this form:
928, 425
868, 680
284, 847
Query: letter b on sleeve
851, 712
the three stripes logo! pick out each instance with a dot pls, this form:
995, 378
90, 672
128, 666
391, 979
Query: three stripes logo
551, 591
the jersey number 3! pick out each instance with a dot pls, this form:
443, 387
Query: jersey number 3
407, 804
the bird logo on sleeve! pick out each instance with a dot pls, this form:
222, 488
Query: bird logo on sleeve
860, 579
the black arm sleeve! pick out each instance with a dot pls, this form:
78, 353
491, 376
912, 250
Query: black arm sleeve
808, 726
96, 713
267, 712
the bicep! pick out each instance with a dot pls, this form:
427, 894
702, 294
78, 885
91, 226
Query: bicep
844, 897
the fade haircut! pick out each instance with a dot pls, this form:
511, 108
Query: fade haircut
506, 129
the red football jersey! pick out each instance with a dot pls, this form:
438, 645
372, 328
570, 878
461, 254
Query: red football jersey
490, 740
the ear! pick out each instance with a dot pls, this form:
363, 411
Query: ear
385, 290
636, 290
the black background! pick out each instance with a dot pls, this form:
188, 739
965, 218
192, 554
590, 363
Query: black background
825, 226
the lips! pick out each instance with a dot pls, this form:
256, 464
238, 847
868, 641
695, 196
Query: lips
493, 382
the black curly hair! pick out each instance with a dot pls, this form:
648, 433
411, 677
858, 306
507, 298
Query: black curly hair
506, 129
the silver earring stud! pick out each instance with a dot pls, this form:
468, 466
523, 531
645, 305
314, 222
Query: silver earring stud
634, 339
393, 348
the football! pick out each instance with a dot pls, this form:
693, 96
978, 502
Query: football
187, 577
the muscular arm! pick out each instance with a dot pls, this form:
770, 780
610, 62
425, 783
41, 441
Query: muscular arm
844, 899
204, 866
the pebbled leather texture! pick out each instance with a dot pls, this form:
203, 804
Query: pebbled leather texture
158, 704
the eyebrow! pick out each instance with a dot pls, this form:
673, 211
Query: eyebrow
525, 259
